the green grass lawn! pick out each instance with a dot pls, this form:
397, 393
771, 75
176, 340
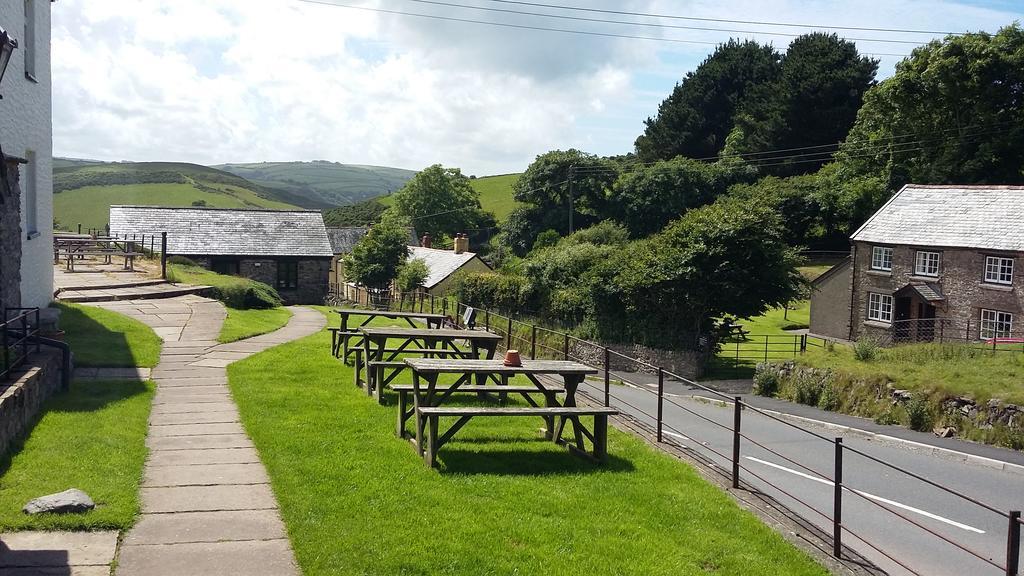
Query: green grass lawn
90, 206
357, 500
937, 369
495, 195
248, 323
100, 337
813, 271
91, 437
737, 357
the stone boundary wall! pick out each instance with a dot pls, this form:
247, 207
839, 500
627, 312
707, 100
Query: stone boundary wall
22, 396
685, 363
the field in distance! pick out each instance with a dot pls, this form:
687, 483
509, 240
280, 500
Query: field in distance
84, 190
322, 184
495, 194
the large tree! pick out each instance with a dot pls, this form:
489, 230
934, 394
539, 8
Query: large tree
441, 201
377, 258
546, 181
953, 113
697, 117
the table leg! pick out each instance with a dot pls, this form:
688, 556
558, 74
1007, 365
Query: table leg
343, 328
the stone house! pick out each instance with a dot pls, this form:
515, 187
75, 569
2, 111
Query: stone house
26, 136
934, 263
444, 264
287, 249
343, 239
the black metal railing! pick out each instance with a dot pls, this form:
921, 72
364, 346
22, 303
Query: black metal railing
19, 333
619, 372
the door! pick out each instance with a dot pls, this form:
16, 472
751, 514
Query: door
925, 322
901, 319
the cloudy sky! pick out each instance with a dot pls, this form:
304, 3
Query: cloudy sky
212, 81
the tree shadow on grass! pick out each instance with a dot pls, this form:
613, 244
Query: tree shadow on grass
92, 343
556, 461
83, 396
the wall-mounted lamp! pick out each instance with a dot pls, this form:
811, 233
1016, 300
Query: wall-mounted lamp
7, 47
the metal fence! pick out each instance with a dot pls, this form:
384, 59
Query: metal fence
974, 334
646, 411
19, 329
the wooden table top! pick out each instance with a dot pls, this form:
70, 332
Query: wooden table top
456, 366
388, 313
443, 333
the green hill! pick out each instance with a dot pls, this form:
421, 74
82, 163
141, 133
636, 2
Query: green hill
84, 190
322, 184
495, 194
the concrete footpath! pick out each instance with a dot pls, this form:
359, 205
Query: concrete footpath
207, 506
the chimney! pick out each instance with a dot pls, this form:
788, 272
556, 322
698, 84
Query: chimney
425, 241
461, 243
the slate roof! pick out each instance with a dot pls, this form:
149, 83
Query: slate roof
441, 263
982, 217
929, 291
227, 232
343, 239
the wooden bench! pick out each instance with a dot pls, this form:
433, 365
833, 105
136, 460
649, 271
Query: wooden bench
339, 337
72, 255
396, 365
430, 416
405, 392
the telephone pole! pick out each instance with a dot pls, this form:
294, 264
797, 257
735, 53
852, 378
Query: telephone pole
572, 200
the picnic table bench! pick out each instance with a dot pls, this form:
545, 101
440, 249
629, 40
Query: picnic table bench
428, 398
378, 357
738, 330
77, 248
341, 336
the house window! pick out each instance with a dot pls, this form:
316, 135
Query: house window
998, 270
881, 258
996, 324
927, 263
227, 266
30, 39
879, 307
31, 196
287, 274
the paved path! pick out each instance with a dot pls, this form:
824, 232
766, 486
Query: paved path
92, 282
207, 506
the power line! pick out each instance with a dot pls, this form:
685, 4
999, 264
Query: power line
722, 20
538, 28
646, 24
468, 207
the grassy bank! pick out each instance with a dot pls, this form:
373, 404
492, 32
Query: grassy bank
242, 324
357, 500
91, 437
100, 337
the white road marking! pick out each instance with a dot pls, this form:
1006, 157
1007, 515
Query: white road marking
871, 496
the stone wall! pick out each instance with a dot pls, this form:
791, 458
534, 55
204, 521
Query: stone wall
10, 242
313, 277
23, 394
961, 276
685, 363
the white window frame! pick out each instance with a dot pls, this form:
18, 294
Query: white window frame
881, 258
927, 263
995, 324
998, 270
880, 307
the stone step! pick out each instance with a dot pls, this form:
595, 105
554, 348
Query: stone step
139, 293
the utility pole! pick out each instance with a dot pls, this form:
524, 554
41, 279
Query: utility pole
572, 200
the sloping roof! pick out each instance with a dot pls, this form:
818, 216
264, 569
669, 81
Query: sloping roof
929, 291
343, 239
983, 217
227, 232
441, 263
835, 269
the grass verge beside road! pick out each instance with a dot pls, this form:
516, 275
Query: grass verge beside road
357, 500
100, 337
241, 324
92, 437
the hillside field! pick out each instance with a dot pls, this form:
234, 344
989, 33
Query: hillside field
322, 184
495, 194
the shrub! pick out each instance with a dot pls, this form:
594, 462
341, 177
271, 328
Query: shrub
546, 239
889, 417
807, 389
412, 275
919, 414
490, 290
829, 399
766, 383
181, 260
865, 349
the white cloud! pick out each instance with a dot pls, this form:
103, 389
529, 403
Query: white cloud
246, 80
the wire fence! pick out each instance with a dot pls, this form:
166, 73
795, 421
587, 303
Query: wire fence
19, 329
637, 389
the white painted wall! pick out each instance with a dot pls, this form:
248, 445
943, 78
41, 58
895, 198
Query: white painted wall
26, 130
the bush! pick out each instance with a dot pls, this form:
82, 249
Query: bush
808, 389
246, 295
829, 399
865, 349
546, 239
919, 415
495, 291
766, 383
181, 260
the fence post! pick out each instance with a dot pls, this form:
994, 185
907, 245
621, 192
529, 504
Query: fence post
533, 342
837, 503
79, 227
766, 348
737, 409
444, 306
661, 399
803, 343
565, 347
431, 303
487, 320
1013, 544
607, 377
509, 333
163, 255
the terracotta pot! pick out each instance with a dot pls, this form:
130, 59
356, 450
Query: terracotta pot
512, 358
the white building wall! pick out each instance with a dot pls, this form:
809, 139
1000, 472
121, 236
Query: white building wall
26, 130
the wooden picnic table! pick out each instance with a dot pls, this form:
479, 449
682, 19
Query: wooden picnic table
78, 248
340, 336
377, 357
428, 398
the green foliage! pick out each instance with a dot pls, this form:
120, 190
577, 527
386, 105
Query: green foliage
100, 337
320, 184
376, 258
807, 389
951, 113
919, 415
412, 275
181, 261
766, 383
696, 118
242, 324
199, 202
649, 197
604, 233
501, 292
365, 213
866, 349
233, 291
724, 259
441, 201
524, 224
545, 184
546, 239
829, 399
496, 194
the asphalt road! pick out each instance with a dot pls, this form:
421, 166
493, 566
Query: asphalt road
880, 489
